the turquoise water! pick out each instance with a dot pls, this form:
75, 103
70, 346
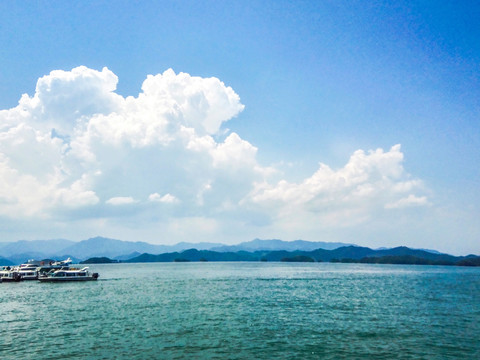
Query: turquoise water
246, 311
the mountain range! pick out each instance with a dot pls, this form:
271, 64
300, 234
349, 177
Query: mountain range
266, 250
398, 255
23, 250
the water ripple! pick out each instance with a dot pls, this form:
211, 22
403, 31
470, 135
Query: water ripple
246, 310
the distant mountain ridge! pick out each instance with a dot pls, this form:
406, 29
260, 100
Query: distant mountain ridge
273, 250
398, 255
275, 244
8, 249
23, 250
5, 262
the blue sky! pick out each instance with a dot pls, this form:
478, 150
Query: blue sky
313, 82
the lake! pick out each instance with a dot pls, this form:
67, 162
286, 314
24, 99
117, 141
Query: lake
241, 310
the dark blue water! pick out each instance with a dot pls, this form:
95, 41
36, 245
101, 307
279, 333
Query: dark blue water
246, 311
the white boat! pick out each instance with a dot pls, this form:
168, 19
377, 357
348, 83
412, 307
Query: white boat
45, 267
30, 264
28, 271
9, 274
18, 273
28, 274
68, 275
32, 269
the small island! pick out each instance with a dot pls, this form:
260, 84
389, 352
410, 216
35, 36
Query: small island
99, 260
298, 258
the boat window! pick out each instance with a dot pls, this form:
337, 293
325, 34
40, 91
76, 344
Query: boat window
82, 274
70, 274
59, 274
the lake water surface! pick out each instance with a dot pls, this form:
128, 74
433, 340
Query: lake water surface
246, 311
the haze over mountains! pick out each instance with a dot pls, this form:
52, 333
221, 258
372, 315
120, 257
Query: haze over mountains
275, 244
22, 250
256, 250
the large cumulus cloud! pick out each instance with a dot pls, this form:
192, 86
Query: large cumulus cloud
77, 149
370, 182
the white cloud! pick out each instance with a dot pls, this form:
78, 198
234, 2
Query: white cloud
350, 195
201, 104
410, 200
64, 98
121, 200
77, 195
75, 145
78, 143
167, 198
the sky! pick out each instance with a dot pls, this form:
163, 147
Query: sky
225, 121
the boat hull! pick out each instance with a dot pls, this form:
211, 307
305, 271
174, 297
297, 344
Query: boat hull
51, 279
11, 276
89, 277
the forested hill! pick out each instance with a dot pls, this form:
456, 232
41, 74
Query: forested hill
399, 255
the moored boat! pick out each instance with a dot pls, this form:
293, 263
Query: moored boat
45, 267
28, 271
68, 275
32, 269
8, 274
18, 273
28, 274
